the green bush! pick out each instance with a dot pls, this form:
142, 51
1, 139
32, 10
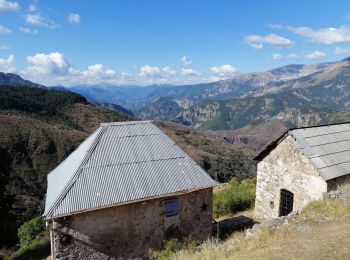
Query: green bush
174, 245
238, 196
31, 232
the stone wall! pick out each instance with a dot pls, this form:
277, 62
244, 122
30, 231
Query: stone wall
131, 230
286, 167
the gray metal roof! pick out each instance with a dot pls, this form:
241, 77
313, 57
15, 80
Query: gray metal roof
118, 163
327, 147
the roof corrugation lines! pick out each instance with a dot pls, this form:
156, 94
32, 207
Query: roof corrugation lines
121, 162
328, 148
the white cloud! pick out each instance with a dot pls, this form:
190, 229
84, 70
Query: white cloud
185, 61
315, 55
74, 18
341, 51
6, 65
225, 70
149, 71
37, 19
257, 46
190, 72
32, 7
4, 48
169, 71
327, 36
274, 26
292, 56
27, 30
52, 63
126, 77
53, 68
277, 56
257, 41
4, 30
96, 71
6, 6
153, 75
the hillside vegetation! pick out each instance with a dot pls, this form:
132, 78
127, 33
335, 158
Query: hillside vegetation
219, 159
322, 231
234, 197
39, 129
292, 109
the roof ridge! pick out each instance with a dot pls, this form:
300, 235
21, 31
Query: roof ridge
126, 123
76, 174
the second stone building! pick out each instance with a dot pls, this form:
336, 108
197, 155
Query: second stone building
300, 167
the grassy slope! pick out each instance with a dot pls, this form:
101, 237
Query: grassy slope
322, 231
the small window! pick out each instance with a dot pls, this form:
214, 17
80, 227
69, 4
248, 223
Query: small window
286, 202
171, 207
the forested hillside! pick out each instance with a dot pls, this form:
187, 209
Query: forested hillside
39, 128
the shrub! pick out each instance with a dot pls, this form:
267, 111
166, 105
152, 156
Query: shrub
172, 246
237, 196
31, 232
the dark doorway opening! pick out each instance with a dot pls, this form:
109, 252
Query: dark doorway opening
286, 202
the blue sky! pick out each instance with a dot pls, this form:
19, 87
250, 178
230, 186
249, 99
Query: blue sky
178, 42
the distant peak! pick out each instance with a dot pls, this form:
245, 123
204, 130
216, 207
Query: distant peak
346, 59
12, 79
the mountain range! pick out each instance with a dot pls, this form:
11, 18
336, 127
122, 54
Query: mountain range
296, 95
137, 98
301, 101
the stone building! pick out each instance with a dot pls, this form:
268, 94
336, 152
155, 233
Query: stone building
301, 166
123, 191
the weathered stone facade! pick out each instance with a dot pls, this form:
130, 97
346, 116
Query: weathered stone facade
286, 167
130, 230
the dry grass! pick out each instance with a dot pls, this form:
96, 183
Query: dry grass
321, 232
345, 186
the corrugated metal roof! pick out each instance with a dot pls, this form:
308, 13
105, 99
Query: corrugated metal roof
328, 148
121, 162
